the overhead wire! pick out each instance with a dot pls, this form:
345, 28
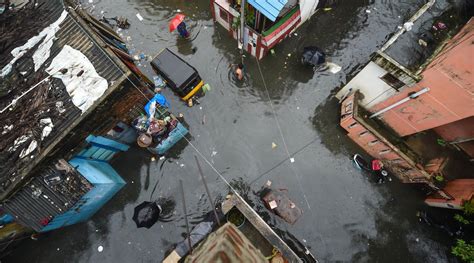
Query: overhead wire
282, 136
187, 140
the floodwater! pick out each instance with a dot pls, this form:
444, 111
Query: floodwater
347, 217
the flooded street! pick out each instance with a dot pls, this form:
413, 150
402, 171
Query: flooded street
347, 217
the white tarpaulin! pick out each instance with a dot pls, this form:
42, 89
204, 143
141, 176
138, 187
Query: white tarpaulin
307, 9
41, 54
82, 82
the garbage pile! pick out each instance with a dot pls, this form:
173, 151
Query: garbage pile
157, 125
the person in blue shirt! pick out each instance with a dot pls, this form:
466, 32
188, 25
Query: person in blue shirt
183, 32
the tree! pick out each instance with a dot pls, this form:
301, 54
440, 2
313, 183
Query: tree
464, 250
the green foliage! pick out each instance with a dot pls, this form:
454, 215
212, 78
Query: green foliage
461, 219
464, 250
439, 178
468, 207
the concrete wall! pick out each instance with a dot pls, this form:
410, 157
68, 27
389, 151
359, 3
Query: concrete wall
368, 82
451, 96
377, 145
461, 133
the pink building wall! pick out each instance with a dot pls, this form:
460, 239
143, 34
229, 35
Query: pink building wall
450, 78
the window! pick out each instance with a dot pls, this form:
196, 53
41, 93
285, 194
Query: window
352, 125
384, 151
363, 133
373, 142
223, 14
393, 81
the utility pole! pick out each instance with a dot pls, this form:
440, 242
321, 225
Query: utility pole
242, 26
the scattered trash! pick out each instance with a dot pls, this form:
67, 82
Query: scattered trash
122, 22
200, 107
141, 56
368, 11
203, 120
327, 9
272, 51
279, 202
439, 26
158, 82
190, 102
153, 158
162, 158
139, 17
206, 88
292, 160
333, 68
268, 183
417, 240
181, 165
289, 54
91, 1
422, 43
408, 26
213, 153
100, 248
274, 145
295, 34
272, 204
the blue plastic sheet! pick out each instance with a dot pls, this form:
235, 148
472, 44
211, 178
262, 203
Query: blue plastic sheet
160, 99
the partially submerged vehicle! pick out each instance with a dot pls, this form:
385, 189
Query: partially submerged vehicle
374, 167
180, 76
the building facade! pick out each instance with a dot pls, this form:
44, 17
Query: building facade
406, 93
266, 23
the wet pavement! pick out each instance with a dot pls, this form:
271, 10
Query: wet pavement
347, 217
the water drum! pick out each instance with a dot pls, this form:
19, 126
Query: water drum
144, 140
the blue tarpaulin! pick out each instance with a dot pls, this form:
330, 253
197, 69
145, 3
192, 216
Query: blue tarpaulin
160, 99
269, 8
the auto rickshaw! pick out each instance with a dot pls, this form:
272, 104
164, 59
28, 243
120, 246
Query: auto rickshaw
181, 77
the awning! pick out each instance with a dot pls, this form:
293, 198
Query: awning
269, 8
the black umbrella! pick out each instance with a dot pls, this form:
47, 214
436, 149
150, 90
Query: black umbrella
146, 214
313, 56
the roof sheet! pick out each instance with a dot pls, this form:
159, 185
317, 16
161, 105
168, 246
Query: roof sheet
269, 8
49, 99
51, 193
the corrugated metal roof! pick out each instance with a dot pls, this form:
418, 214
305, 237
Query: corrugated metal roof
49, 194
269, 8
70, 33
